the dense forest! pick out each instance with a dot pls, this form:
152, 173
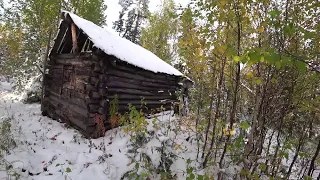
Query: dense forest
255, 103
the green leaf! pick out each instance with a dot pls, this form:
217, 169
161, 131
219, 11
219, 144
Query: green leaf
258, 81
188, 161
284, 154
274, 13
192, 176
200, 177
289, 29
137, 166
244, 172
308, 35
278, 65
307, 178
236, 58
244, 125
189, 170
301, 66
58, 164
206, 177
254, 56
263, 167
68, 170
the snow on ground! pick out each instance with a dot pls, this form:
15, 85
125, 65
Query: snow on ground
5, 87
46, 149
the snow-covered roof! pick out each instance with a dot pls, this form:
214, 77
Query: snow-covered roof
122, 48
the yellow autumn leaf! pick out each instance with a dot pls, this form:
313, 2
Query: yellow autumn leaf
261, 29
250, 75
229, 132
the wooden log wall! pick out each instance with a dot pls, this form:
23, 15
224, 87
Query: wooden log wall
69, 96
143, 89
79, 90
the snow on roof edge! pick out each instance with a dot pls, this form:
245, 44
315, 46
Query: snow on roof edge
122, 48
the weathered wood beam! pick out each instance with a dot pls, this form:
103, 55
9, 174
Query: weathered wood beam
74, 38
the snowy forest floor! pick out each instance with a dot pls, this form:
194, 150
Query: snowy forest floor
47, 149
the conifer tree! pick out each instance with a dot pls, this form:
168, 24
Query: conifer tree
131, 17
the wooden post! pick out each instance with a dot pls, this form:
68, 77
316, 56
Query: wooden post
45, 67
74, 38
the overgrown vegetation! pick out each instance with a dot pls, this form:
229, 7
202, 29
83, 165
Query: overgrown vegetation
255, 65
7, 143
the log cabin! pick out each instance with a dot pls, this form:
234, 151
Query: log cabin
90, 67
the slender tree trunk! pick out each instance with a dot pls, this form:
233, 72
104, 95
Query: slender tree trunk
268, 150
197, 121
235, 95
311, 167
301, 140
209, 121
217, 114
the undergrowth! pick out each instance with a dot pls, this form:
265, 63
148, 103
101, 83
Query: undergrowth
7, 143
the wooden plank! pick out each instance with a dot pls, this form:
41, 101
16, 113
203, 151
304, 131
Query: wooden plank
114, 91
135, 97
139, 86
132, 69
74, 62
141, 82
65, 104
74, 38
114, 72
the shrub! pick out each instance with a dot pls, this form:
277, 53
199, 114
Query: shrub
7, 143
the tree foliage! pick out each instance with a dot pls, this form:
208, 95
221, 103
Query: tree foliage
160, 34
131, 18
26, 24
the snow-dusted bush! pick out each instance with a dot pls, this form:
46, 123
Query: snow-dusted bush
151, 151
31, 91
7, 143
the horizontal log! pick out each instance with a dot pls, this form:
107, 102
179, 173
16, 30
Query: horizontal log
96, 68
101, 110
80, 95
114, 72
84, 56
80, 85
124, 66
84, 125
119, 84
74, 62
114, 91
93, 107
79, 101
94, 81
53, 88
103, 92
142, 83
95, 95
65, 104
90, 87
54, 76
135, 97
